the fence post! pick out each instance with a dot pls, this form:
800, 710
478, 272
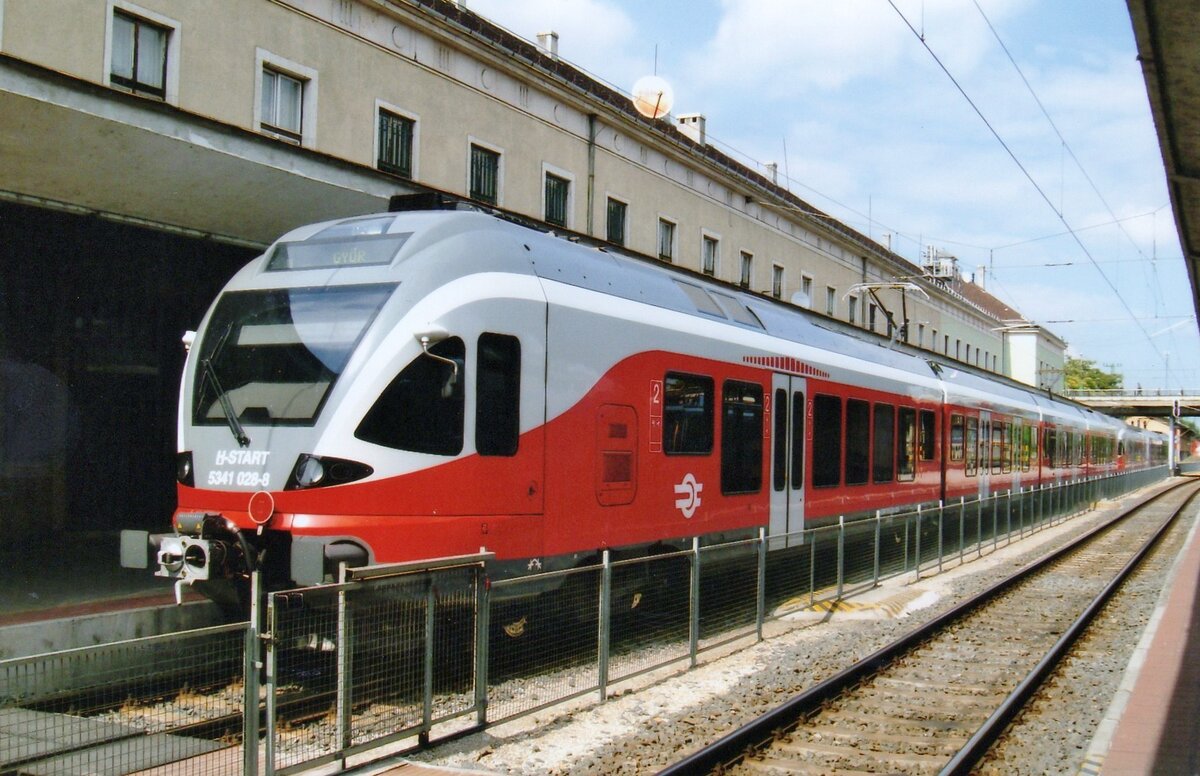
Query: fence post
917, 559
962, 535
1008, 510
483, 624
252, 664
941, 528
345, 648
427, 694
761, 604
878, 532
694, 603
841, 554
604, 621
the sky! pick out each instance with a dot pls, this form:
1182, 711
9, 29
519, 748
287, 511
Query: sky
1013, 134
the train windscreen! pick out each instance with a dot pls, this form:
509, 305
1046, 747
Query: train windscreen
271, 357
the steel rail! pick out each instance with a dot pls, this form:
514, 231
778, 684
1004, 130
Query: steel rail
737, 744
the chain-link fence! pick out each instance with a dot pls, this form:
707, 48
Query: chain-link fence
172, 703
335, 671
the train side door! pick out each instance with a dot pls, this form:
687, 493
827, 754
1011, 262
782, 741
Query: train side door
787, 458
985, 453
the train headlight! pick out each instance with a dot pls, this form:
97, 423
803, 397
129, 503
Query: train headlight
183, 469
313, 471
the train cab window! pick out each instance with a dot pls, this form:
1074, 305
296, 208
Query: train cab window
956, 438
928, 435
827, 441
906, 447
971, 447
422, 409
883, 455
498, 395
858, 441
687, 414
741, 437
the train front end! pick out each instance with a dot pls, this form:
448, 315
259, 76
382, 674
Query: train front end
277, 367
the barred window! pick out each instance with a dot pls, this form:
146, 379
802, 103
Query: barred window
396, 144
139, 55
485, 175
557, 194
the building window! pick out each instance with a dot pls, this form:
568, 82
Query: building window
830, 301
777, 281
920, 335
396, 143
666, 240
558, 191
871, 316
806, 290
139, 55
710, 255
282, 104
852, 309
616, 221
747, 269
485, 175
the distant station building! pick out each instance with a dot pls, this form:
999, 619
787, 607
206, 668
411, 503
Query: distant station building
148, 149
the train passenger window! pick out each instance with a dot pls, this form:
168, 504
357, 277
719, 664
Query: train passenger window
997, 445
1028, 446
956, 438
928, 435
422, 409
858, 441
687, 414
1049, 445
498, 395
883, 457
906, 449
827, 441
779, 430
741, 437
797, 440
970, 447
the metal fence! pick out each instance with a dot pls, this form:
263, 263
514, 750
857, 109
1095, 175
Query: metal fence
388, 653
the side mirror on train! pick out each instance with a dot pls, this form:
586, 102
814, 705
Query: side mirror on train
430, 338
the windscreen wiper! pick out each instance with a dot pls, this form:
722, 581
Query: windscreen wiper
231, 417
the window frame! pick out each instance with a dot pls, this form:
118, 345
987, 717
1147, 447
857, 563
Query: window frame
621, 238
497, 197
708, 386
672, 243
307, 76
382, 108
708, 238
568, 205
170, 91
742, 452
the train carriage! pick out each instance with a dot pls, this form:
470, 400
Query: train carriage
414, 385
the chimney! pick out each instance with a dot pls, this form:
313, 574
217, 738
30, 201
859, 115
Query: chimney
692, 125
548, 43
981, 278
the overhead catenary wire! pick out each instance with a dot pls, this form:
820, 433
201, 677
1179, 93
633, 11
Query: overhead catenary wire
1016, 160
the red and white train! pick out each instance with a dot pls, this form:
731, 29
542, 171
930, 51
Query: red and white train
424, 384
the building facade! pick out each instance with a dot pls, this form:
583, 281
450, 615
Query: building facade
148, 148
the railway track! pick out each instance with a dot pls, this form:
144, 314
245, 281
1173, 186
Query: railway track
935, 700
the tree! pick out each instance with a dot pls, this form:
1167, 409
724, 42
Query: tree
1080, 374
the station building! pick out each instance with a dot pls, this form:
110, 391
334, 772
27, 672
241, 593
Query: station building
148, 149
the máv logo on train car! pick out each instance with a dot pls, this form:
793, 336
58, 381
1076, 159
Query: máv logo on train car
689, 495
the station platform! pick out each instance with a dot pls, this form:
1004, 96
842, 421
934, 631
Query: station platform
72, 592
1153, 725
